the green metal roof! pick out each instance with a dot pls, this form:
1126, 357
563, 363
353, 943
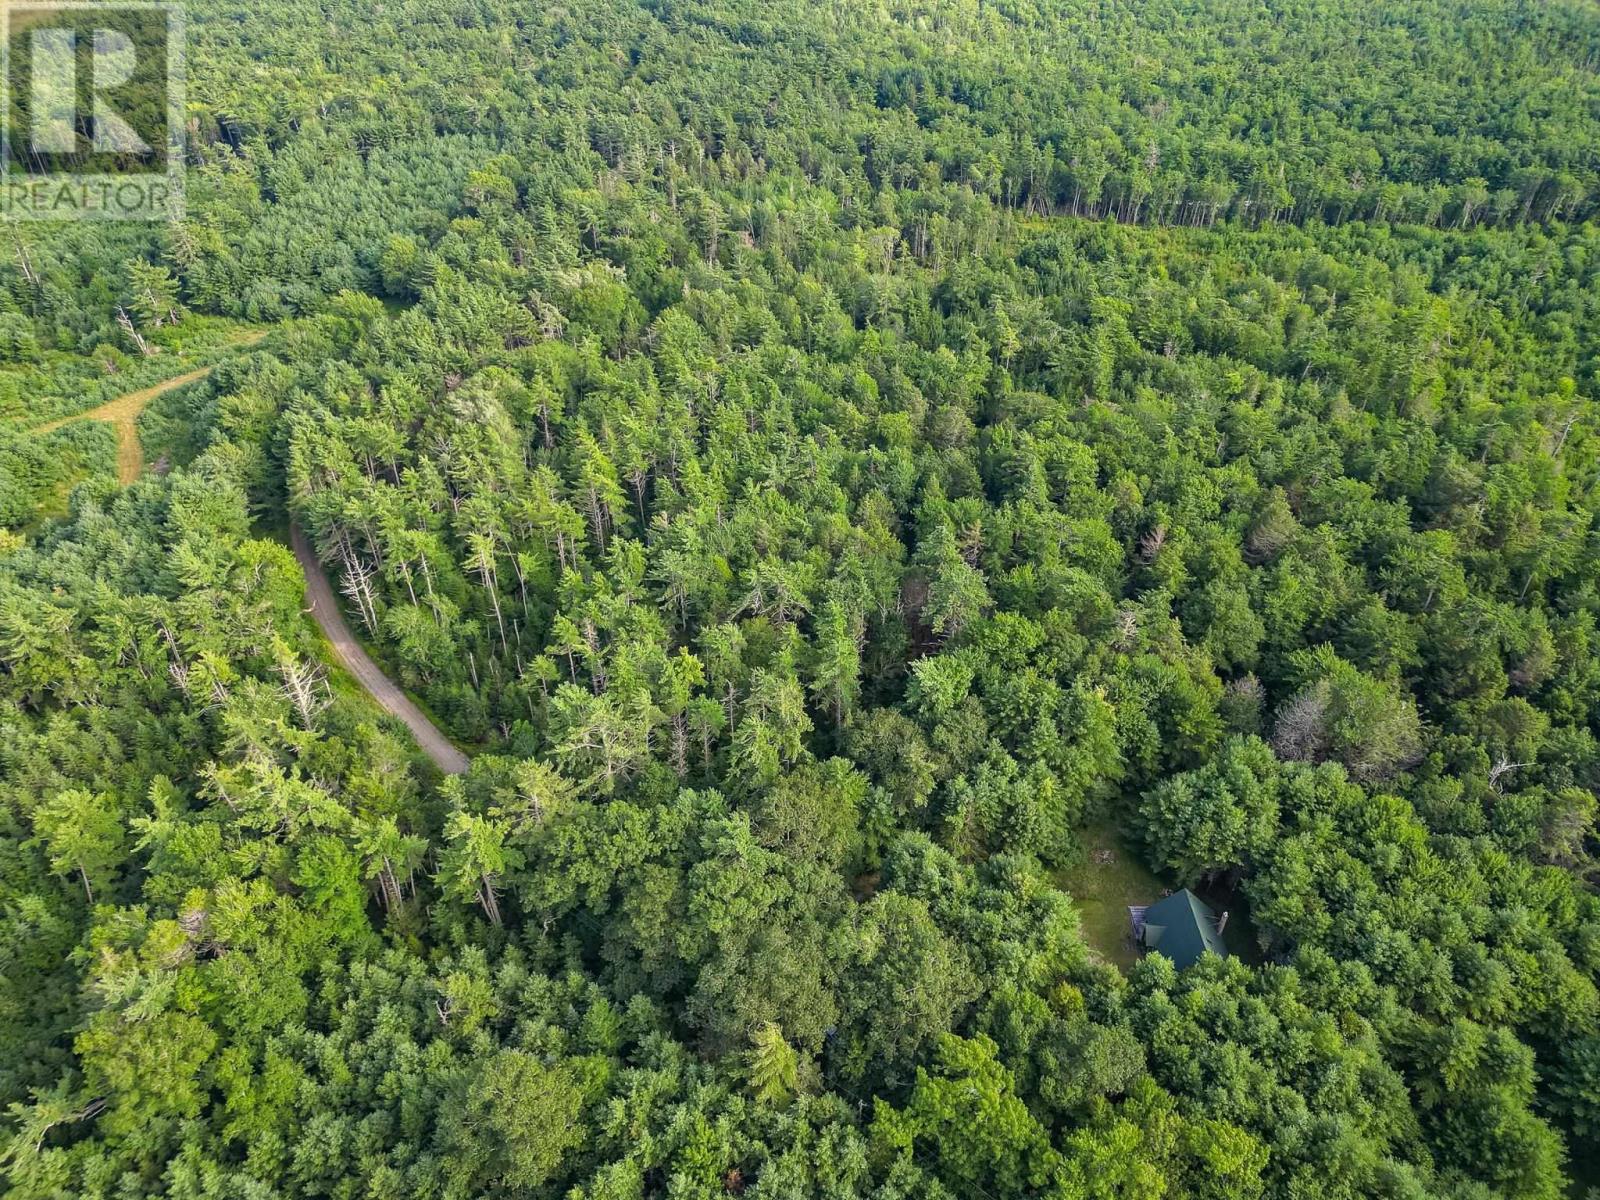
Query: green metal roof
1183, 927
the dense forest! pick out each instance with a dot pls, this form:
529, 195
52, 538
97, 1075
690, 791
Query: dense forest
858, 482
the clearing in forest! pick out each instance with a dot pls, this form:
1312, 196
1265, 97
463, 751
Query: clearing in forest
123, 414
1112, 877
1102, 886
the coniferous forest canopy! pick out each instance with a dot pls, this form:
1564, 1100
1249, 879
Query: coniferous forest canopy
876, 491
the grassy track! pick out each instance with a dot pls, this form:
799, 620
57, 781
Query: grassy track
123, 414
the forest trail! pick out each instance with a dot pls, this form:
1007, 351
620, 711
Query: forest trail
123, 414
325, 611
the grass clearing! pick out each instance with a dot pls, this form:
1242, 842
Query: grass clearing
123, 416
1112, 877
123, 413
1102, 886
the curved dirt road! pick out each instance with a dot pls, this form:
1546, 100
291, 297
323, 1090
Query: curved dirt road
325, 611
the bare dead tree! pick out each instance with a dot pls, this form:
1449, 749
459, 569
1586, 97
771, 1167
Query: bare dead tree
356, 584
1503, 767
304, 685
1150, 544
24, 262
126, 322
1301, 731
1127, 629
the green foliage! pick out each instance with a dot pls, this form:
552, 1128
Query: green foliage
774, 1065
518, 1120
82, 835
826, 465
1220, 818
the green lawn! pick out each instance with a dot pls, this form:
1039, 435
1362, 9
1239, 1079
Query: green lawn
1102, 891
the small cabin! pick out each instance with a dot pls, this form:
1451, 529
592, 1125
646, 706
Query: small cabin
1182, 926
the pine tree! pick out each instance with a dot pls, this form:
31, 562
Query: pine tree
774, 1065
